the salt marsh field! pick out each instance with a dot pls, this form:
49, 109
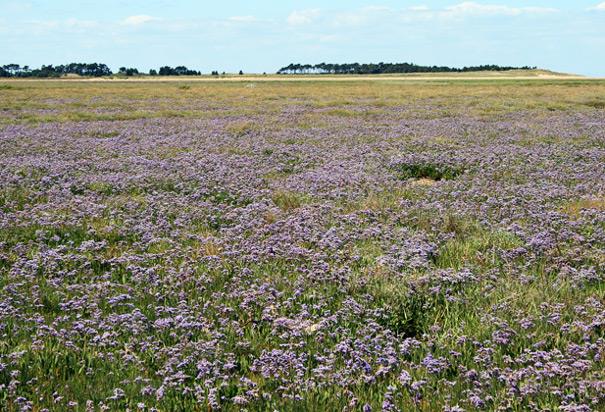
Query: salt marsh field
353, 245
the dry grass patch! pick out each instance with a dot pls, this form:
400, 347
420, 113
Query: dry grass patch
241, 128
171, 152
379, 201
312, 120
288, 200
342, 113
211, 248
270, 217
574, 208
595, 103
423, 182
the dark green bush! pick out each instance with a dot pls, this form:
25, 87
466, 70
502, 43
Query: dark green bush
427, 171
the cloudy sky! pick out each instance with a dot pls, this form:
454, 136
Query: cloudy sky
265, 35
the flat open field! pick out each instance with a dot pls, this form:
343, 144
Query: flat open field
302, 245
484, 75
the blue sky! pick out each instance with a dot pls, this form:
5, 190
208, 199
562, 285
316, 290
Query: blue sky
259, 36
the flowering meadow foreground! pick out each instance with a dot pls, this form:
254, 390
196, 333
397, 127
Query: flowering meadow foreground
338, 246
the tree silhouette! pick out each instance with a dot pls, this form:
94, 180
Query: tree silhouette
380, 68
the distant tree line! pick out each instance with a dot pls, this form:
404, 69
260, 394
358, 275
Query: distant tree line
81, 69
88, 70
176, 71
380, 68
128, 71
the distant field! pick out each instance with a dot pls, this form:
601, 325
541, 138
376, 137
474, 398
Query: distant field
484, 75
431, 243
33, 101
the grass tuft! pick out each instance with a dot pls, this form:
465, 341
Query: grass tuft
287, 200
241, 128
479, 248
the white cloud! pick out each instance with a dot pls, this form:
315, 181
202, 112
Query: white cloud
378, 15
600, 7
300, 17
477, 9
138, 20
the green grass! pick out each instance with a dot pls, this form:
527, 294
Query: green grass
479, 248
